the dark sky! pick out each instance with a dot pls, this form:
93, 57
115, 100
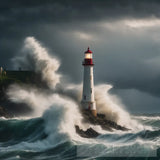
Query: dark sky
124, 36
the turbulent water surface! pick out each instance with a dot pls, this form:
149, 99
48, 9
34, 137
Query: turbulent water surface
47, 138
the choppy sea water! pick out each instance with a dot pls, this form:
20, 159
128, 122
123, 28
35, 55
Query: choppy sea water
42, 138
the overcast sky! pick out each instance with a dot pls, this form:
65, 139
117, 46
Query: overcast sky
124, 36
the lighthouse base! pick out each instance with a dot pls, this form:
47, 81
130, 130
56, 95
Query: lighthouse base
90, 107
94, 113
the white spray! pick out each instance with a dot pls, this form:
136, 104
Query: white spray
38, 57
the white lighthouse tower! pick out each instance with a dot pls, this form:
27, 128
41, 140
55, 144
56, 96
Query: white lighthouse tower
88, 100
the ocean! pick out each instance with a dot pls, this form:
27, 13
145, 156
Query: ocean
44, 138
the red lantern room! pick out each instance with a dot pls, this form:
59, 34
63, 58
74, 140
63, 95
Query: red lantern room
88, 58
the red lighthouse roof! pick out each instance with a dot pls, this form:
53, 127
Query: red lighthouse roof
88, 51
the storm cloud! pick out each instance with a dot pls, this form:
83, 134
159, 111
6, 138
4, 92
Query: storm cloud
124, 36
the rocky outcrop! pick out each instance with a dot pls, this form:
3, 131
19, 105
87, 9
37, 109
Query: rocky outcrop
102, 121
89, 133
99, 120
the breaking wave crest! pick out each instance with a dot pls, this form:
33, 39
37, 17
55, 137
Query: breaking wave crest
53, 136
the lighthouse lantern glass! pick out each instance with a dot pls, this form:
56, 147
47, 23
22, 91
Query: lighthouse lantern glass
88, 56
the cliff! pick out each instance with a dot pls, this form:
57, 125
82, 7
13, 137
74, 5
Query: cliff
8, 108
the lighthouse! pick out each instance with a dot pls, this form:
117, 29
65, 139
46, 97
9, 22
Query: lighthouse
88, 100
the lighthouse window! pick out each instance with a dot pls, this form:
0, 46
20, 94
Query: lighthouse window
88, 56
84, 97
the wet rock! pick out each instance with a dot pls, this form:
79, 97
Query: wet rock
89, 133
102, 121
99, 120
